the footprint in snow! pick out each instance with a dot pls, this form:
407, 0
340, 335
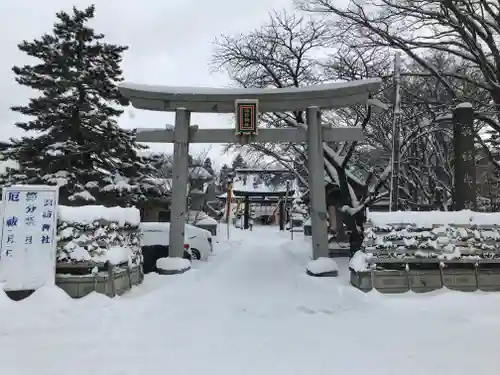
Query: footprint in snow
310, 311
327, 312
306, 310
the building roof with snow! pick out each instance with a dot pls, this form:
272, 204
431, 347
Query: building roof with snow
262, 183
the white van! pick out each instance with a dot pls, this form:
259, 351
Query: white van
199, 240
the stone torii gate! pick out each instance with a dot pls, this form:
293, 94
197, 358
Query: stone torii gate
247, 103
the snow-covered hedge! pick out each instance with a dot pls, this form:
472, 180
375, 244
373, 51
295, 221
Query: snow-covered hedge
430, 218
454, 233
98, 234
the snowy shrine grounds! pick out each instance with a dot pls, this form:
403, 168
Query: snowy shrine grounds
251, 310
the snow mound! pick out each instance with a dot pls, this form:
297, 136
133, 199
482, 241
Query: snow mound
116, 255
4, 299
95, 299
359, 262
322, 265
89, 214
49, 294
206, 221
200, 217
173, 264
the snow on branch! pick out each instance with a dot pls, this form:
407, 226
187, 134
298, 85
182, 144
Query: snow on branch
373, 193
333, 162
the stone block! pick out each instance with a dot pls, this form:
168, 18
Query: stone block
121, 280
488, 277
425, 277
460, 277
78, 286
110, 284
103, 285
136, 275
391, 278
361, 280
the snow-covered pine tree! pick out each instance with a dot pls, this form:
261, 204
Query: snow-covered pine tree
74, 139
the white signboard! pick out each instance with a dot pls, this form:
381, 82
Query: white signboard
28, 244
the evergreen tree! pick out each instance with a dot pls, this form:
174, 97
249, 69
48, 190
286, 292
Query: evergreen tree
77, 143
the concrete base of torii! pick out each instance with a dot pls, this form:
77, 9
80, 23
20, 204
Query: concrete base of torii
173, 272
322, 267
323, 274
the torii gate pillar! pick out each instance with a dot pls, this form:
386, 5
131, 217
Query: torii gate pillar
180, 176
186, 100
316, 165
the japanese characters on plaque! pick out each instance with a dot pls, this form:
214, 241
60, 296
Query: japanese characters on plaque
29, 225
29, 221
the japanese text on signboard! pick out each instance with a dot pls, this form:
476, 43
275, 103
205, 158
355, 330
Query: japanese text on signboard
29, 220
247, 114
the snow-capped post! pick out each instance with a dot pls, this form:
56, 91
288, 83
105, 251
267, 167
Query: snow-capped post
180, 176
317, 183
464, 192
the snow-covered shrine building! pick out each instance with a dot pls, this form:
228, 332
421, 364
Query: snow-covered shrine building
263, 192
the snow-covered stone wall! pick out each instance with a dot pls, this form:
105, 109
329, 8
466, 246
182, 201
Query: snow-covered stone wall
98, 234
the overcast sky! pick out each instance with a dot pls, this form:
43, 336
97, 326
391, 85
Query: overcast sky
170, 44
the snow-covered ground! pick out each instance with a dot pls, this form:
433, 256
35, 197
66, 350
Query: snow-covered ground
251, 310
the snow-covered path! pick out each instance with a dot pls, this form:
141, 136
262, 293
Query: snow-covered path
251, 310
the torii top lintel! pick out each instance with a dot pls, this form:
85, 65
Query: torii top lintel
221, 100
